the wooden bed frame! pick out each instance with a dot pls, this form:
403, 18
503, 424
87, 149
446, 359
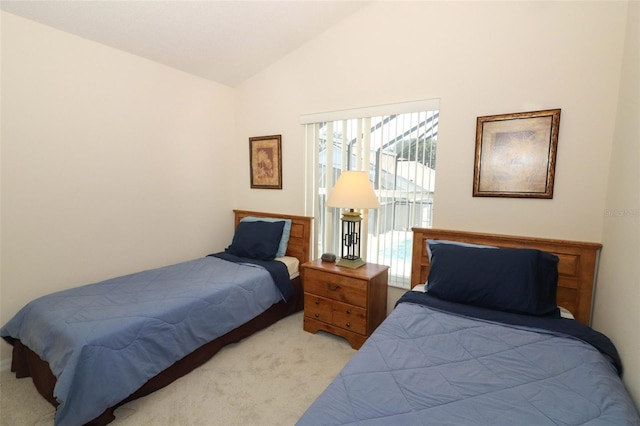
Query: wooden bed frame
26, 363
577, 267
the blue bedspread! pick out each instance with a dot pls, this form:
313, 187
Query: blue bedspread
103, 341
426, 366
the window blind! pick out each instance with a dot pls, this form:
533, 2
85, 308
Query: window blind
396, 145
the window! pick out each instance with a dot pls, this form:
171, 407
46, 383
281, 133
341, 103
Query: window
396, 145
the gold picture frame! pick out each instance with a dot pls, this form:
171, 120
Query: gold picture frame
516, 154
265, 160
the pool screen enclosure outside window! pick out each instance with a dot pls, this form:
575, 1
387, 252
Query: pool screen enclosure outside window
396, 146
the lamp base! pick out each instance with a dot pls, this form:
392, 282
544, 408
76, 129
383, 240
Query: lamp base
353, 264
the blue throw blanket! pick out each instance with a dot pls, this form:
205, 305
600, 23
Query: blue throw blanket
277, 270
133, 327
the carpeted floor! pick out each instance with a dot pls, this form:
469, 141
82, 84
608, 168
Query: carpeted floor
269, 378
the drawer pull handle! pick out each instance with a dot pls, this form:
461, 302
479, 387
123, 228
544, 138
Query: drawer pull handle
317, 315
348, 311
333, 287
348, 324
317, 302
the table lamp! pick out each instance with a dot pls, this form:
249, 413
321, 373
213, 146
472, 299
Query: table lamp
352, 191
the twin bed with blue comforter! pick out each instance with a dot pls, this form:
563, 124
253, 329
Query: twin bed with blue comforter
105, 342
485, 343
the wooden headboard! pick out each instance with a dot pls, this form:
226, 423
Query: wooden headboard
576, 268
300, 238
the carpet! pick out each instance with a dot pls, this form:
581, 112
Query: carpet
269, 378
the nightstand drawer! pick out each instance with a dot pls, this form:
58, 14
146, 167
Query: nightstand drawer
318, 308
349, 317
336, 287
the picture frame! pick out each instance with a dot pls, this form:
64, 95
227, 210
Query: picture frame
265, 162
515, 154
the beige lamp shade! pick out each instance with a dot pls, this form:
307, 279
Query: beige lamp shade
353, 191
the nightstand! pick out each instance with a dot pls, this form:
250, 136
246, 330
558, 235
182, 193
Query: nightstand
346, 302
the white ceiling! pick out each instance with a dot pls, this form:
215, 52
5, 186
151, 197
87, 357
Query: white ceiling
224, 41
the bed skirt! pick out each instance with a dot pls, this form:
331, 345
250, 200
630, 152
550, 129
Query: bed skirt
26, 363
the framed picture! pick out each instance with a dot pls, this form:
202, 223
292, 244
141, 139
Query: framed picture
516, 154
265, 153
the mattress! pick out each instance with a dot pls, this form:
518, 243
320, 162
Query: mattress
429, 365
292, 264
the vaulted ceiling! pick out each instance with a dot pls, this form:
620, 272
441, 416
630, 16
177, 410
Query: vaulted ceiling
224, 41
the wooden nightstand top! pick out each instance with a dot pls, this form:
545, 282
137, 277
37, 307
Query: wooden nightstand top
366, 272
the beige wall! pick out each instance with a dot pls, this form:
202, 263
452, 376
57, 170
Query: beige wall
617, 310
110, 163
479, 58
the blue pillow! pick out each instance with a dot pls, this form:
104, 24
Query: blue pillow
256, 240
431, 243
513, 280
286, 231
